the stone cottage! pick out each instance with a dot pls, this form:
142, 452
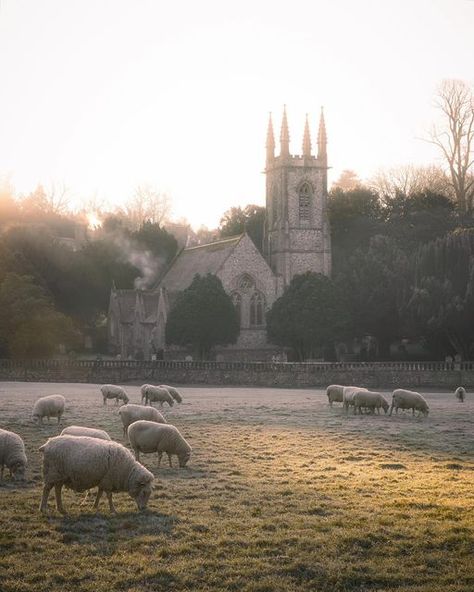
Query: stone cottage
296, 239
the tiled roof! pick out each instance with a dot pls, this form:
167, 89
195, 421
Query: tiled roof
202, 259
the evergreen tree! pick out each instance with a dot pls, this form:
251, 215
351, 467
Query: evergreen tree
203, 316
311, 315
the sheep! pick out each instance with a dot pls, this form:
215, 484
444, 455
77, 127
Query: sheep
173, 392
12, 455
143, 391
156, 393
460, 394
403, 399
130, 413
82, 462
369, 400
334, 393
112, 391
147, 436
348, 393
50, 406
83, 431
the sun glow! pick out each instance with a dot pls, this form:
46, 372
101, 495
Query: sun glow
93, 221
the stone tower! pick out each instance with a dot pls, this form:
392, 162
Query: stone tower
297, 234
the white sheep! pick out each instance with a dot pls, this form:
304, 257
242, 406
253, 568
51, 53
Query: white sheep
403, 399
460, 394
81, 463
348, 393
130, 413
334, 393
50, 406
83, 431
12, 455
112, 391
143, 391
173, 392
369, 400
156, 394
147, 436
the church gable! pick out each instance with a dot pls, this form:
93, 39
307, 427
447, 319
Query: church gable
203, 259
250, 282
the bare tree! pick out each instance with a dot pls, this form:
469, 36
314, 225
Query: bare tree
409, 180
148, 204
58, 198
455, 137
54, 201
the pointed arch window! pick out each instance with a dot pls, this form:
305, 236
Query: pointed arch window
305, 194
237, 302
257, 308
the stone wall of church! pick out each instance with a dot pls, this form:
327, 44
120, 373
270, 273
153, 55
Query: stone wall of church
244, 275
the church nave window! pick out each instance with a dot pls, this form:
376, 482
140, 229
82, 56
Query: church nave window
237, 302
257, 307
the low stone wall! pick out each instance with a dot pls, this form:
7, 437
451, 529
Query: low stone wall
263, 374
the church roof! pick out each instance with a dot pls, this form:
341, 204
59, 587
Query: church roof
202, 259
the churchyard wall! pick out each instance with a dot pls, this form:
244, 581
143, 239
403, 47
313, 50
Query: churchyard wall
263, 374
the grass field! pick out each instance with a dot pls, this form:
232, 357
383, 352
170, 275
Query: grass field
282, 493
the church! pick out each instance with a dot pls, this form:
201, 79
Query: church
296, 239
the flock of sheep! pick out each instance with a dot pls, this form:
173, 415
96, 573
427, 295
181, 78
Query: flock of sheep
84, 457
364, 400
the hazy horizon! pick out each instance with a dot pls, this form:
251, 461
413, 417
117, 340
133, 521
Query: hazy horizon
105, 96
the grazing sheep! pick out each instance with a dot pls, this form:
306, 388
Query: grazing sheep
460, 394
369, 400
403, 399
334, 393
50, 406
112, 391
348, 393
147, 436
173, 392
83, 431
81, 462
130, 413
156, 393
143, 391
12, 455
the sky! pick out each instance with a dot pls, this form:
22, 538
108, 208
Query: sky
106, 95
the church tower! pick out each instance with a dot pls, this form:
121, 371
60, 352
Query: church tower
297, 235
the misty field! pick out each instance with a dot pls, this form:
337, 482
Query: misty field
282, 493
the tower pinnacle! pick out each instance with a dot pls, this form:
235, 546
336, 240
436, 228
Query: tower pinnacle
284, 135
306, 139
270, 140
322, 138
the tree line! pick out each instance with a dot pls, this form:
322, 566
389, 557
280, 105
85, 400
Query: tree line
402, 243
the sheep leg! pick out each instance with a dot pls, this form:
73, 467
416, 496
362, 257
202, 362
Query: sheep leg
391, 409
59, 502
1, 473
160, 454
169, 459
97, 498
44, 498
111, 503
59, 418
